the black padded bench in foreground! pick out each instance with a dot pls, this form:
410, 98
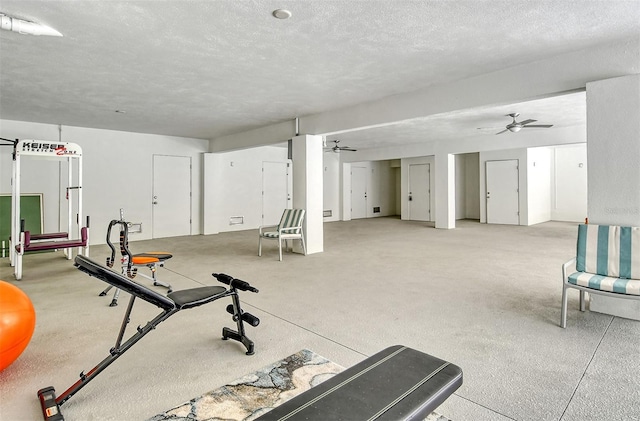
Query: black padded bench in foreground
397, 383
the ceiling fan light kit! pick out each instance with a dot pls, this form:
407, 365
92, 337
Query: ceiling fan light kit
516, 126
26, 27
337, 148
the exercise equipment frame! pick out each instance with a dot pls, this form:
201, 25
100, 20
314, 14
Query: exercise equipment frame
128, 259
48, 150
170, 304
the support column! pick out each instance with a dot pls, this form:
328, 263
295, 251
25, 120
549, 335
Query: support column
445, 191
308, 188
613, 153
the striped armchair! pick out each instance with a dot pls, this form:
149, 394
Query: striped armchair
607, 262
289, 228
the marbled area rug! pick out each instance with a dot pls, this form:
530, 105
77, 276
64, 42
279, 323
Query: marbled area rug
247, 398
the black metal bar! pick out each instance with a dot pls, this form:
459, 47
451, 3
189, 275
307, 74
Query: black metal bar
114, 354
238, 335
125, 321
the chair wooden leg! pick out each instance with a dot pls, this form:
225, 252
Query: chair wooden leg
304, 247
582, 301
280, 247
259, 246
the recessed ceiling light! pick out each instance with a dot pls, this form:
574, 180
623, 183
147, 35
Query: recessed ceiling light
281, 14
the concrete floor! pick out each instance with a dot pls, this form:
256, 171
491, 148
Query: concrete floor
484, 297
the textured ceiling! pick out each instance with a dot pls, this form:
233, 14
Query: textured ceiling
204, 69
561, 111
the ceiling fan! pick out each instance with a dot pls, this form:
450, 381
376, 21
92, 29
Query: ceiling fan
516, 126
337, 148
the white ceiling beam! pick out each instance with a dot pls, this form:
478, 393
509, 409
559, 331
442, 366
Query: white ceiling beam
544, 78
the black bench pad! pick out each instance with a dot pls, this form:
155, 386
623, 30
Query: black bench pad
398, 383
194, 297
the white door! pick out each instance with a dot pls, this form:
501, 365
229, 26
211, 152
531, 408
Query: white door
358, 192
502, 192
275, 191
171, 196
419, 192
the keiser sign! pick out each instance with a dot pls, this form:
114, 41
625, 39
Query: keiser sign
51, 149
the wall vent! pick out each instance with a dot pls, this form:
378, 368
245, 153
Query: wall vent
236, 220
327, 213
376, 209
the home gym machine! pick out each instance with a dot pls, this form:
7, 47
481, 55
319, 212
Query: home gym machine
169, 305
19, 241
130, 262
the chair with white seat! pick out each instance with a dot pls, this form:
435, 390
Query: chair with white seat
289, 228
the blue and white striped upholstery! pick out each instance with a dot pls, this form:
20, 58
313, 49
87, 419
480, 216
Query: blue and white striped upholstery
608, 259
290, 228
290, 223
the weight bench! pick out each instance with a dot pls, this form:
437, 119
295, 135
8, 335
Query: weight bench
27, 245
49, 236
169, 305
397, 383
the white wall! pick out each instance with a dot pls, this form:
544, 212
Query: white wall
331, 186
381, 188
233, 187
461, 174
117, 173
569, 183
613, 149
472, 186
538, 185
467, 186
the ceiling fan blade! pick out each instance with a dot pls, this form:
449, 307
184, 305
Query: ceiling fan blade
505, 130
546, 126
527, 122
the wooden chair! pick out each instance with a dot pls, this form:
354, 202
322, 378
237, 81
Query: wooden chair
289, 228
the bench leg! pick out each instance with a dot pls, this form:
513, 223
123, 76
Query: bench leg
154, 276
239, 317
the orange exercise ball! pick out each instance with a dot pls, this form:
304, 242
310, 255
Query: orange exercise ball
17, 322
